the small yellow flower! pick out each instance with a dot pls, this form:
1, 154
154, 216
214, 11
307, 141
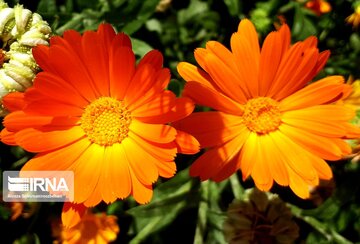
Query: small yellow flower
354, 18
93, 228
259, 218
20, 31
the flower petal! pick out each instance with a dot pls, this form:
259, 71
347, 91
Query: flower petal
218, 129
160, 104
72, 214
34, 140
206, 96
141, 163
121, 70
152, 132
323, 91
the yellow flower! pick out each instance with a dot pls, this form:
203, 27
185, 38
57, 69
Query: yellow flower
259, 218
354, 18
93, 228
20, 31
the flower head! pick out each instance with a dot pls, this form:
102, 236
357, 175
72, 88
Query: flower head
259, 218
20, 31
268, 122
354, 18
93, 228
319, 7
92, 110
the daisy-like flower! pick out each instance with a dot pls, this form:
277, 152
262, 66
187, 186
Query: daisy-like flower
319, 7
93, 228
269, 122
354, 18
93, 111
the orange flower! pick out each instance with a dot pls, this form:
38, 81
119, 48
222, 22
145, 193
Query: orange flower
319, 7
268, 123
354, 18
92, 110
93, 228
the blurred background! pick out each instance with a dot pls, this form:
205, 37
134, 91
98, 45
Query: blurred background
184, 210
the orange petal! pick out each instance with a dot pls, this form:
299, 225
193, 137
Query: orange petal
119, 171
323, 147
87, 170
225, 79
186, 143
120, 40
72, 214
247, 62
206, 96
166, 169
219, 127
154, 133
215, 159
276, 162
141, 162
161, 80
247, 30
248, 152
298, 79
41, 55
60, 159
321, 92
183, 107
190, 72
50, 85
324, 128
121, 70
49, 107
222, 53
154, 58
34, 140
162, 152
142, 193
70, 68
14, 101
288, 66
230, 168
298, 185
95, 56
160, 104
269, 61
142, 81
296, 157
7, 137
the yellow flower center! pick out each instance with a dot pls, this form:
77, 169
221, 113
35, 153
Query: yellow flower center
262, 115
106, 121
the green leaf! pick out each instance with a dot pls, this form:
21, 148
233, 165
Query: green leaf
140, 47
195, 8
302, 26
146, 10
47, 7
233, 6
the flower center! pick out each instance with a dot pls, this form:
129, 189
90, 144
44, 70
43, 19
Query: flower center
106, 121
262, 115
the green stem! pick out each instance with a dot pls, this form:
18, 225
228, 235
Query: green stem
202, 211
236, 187
329, 233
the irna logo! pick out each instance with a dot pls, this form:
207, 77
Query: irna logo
38, 186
